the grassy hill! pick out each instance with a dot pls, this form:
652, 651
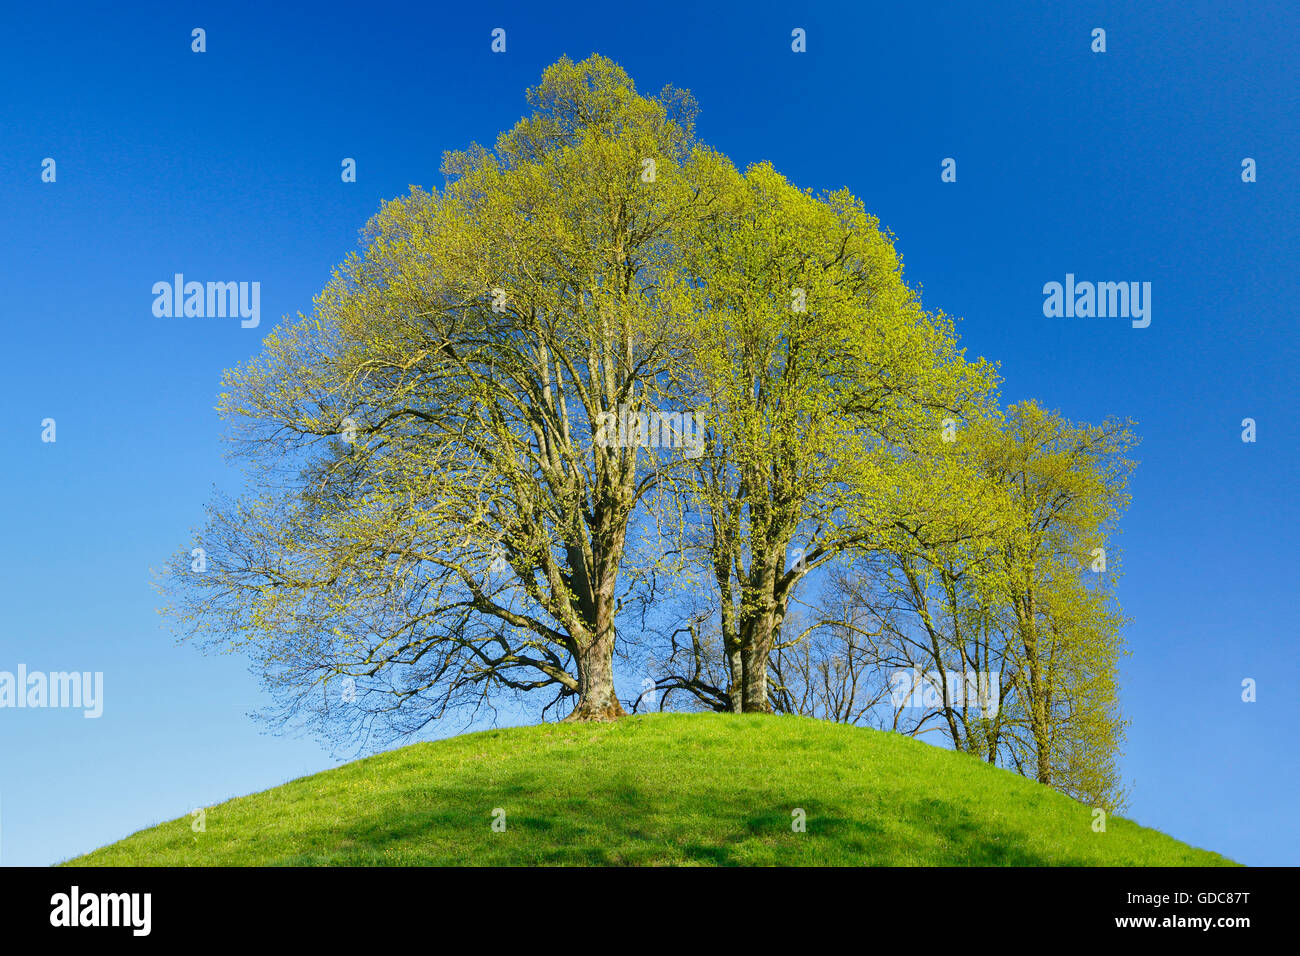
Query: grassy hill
661, 789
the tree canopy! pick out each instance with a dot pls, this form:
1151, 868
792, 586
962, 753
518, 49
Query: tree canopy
604, 392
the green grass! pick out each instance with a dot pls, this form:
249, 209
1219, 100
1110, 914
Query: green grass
662, 789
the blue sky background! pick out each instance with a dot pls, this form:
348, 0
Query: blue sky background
225, 166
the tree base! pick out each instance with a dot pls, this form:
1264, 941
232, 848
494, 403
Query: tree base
589, 711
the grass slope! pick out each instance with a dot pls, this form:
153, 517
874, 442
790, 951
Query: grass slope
661, 789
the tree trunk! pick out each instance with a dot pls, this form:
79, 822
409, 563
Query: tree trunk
1038, 716
760, 621
735, 664
595, 655
736, 690
731, 638
755, 651
596, 697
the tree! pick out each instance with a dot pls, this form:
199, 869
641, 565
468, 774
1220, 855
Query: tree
464, 482
818, 370
1006, 636
1055, 572
436, 514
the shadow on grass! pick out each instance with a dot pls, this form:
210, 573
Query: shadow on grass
635, 825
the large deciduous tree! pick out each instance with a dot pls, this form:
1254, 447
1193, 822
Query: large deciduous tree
437, 515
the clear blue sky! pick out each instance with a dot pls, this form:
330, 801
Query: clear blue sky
1122, 166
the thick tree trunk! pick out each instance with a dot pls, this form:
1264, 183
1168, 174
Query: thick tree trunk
755, 699
736, 667
731, 638
595, 657
596, 697
755, 651
734, 648
765, 610
593, 652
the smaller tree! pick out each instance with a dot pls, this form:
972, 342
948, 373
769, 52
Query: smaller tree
1015, 590
1056, 570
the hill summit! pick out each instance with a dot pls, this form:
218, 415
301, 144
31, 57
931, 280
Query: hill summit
662, 789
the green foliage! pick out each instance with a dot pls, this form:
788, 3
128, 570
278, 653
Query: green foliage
1054, 577
822, 379
434, 522
437, 518
1006, 584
